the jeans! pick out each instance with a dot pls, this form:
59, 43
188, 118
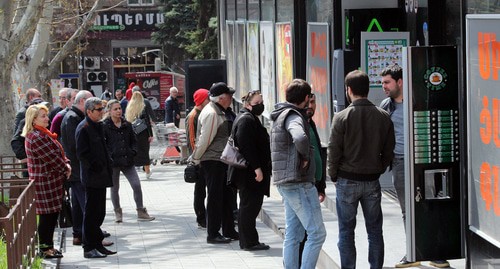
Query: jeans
77, 207
349, 194
302, 213
135, 183
398, 179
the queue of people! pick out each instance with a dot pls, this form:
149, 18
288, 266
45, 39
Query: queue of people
291, 153
83, 153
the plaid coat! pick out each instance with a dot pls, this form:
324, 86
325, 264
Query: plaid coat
47, 167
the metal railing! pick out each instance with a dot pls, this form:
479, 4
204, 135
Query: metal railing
18, 226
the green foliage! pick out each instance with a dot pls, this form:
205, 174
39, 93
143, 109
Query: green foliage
189, 31
37, 262
3, 254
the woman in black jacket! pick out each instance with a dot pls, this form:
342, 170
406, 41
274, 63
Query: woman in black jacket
253, 182
122, 146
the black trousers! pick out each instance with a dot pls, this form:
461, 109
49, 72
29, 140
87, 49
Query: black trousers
46, 226
200, 193
220, 199
95, 211
250, 205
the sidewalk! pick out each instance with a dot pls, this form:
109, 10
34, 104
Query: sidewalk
173, 240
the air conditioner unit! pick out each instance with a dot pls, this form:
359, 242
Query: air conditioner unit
99, 76
92, 63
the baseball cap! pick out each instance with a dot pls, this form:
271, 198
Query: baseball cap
220, 88
37, 101
199, 96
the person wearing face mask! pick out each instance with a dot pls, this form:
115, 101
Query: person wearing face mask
252, 182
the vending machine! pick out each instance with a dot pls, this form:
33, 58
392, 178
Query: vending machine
434, 188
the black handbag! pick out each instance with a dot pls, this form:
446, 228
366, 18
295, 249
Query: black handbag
191, 173
65, 219
139, 125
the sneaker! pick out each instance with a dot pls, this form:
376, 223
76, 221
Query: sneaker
404, 263
440, 263
148, 175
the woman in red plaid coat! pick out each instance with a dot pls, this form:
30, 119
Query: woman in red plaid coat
49, 168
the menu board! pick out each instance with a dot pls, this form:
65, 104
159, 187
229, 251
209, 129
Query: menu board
379, 50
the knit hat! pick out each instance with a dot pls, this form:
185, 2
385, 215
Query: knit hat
199, 96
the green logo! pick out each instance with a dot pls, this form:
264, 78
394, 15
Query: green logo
435, 78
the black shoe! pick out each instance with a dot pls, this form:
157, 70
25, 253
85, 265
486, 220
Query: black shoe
218, 240
202, 226
260, 246
440, 263
235, 236
106, 251
105, 234
93, 254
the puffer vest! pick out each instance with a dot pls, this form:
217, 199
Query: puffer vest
286, 161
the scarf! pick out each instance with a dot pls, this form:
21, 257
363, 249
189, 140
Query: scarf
53, 136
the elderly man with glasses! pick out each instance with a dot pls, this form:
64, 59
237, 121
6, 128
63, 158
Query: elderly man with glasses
96, 175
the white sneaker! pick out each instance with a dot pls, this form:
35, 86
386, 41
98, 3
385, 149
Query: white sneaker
148, 175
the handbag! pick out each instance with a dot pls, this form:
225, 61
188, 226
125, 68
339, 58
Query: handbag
231, 155
139, 125
191, 173
65, 218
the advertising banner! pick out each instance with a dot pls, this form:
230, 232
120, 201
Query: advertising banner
267, 83
230, 58
253, 49
240, 47
318, 75
483, 128
379, 50
284, 58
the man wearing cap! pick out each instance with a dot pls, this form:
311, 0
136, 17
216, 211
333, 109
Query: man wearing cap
215, 122
200, 100
31, 94
17, 141
172, 110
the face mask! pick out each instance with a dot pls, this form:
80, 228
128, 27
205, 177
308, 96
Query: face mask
258, 109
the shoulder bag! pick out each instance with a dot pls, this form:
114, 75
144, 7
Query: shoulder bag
139, 125
231, 154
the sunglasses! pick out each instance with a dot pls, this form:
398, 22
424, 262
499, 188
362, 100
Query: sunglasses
98, 109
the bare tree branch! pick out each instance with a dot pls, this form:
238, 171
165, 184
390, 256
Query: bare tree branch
24, 31
72, 42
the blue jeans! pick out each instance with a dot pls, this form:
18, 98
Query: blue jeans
302, 213
398, 179
349, 194
77, 207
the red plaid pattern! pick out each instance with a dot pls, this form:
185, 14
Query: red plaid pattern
47, 167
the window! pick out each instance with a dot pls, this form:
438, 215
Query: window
140, 2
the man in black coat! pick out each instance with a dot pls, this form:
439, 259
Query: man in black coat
68, 128
96, 176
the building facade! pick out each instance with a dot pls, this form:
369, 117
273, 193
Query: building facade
266, 43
